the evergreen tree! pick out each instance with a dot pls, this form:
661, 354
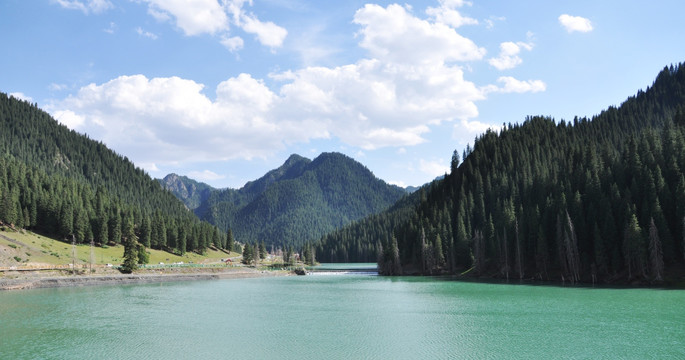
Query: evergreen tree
182, 240
130, 248
114, 227
656, 256
248, 254
262, 250
229, 240
146, 231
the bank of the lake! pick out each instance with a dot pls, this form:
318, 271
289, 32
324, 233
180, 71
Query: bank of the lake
341, 317
38, 279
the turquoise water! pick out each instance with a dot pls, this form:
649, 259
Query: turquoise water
340, 317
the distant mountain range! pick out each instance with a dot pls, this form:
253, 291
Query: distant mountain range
296, 203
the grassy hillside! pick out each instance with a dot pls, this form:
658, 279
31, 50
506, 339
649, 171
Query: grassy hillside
25, 248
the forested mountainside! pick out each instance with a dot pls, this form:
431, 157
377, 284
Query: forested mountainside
299, 201
56, 181
599, 199
191, 192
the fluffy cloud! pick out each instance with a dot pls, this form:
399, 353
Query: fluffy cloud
512, 85
192, 16
410, 82
69, 118
394, 35
268, 33
94, 6
508, 57
447, 14
575, 23
196, 17
168, 120
234, 43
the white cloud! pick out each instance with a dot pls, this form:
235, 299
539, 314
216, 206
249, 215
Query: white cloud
508, 57
146, 34
88, 6
512, 85
475, 127
433, 168
575, 23
206, 175
69, 118
447, 14
194, 17
410, 81
392, 34
268, 33
197, 17
169, 120
21, 96
234, 43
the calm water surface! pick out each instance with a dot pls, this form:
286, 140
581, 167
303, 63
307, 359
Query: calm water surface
341, 317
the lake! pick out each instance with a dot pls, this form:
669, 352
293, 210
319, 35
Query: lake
354, 316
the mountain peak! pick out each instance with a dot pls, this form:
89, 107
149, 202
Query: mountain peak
191, 192
293, 159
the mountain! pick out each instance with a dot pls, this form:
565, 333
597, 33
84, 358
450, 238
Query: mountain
410, 189
191, 192
592, 200
58, 182
299, 201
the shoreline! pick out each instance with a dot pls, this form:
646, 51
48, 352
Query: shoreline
56, 281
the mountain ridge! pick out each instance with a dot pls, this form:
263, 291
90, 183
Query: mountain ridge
316, 195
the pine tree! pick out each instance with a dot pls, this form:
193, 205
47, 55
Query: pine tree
114, 227
262, 250
182, 240
229, 240
248, 254
656, 255
130, 248
631, 244
146, 231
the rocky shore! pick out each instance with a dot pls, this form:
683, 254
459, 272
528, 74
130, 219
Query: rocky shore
36, 281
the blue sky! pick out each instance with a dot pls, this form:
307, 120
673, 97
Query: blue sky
225, 90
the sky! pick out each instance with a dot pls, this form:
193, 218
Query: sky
223, 91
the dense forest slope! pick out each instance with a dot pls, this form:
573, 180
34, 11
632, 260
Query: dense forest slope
599, 199
56, 181
295, 203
